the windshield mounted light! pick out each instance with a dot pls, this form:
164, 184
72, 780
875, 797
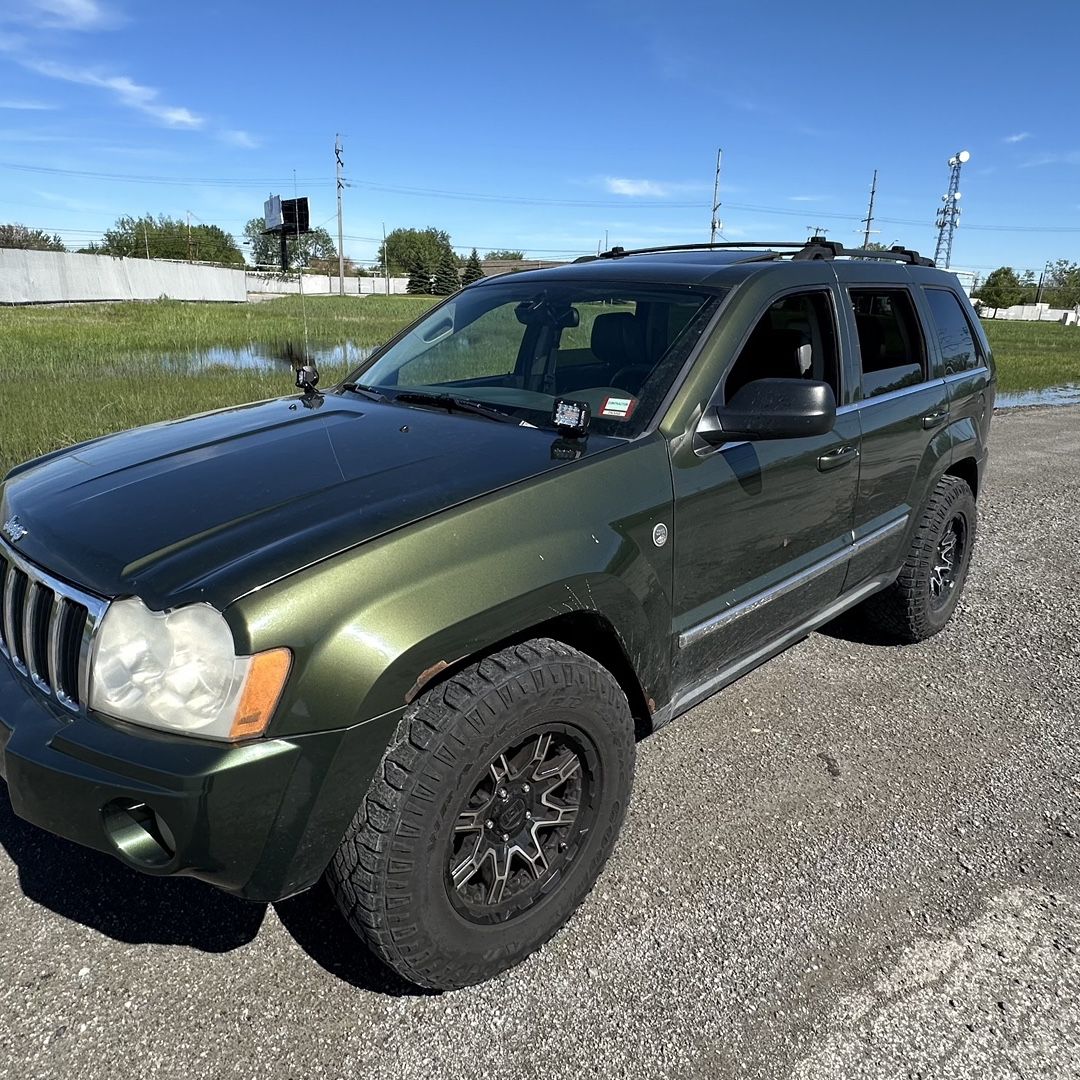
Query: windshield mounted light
178, 671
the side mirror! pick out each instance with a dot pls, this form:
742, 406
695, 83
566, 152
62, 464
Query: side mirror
771, 409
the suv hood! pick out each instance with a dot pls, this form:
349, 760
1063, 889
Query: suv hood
211, 507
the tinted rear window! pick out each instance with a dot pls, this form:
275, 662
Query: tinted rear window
957, 343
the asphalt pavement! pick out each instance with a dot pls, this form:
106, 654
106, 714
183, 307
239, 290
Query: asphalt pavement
860, 861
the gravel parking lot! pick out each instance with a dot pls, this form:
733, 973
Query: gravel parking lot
859, 861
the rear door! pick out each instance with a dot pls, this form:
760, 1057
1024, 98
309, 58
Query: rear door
763, 529
902, 406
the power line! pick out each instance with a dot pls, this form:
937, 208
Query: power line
514, 200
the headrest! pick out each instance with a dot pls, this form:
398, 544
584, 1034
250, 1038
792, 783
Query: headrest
617, 338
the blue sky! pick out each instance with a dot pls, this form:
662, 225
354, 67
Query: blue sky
542, 125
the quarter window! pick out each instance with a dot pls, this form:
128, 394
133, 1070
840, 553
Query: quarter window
958, 347
890, 344
794, 339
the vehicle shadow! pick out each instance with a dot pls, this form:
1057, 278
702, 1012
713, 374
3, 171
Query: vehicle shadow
318, 927
851, 626
98, 891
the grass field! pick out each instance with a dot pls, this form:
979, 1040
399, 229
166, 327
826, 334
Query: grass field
1032, 355
71, 373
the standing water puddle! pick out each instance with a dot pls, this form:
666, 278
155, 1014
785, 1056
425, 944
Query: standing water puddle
1054, 395
261, 357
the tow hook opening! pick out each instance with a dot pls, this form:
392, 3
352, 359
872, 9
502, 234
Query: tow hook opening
138, 833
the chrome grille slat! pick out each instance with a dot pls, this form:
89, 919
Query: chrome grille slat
56, 619
10, 641
62, 627
30, 631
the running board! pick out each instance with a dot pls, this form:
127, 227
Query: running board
695, 695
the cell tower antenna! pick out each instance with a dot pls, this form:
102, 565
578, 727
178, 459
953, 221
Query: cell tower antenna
716, 225
949, 212
869, 219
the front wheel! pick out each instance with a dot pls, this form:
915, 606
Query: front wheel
922, 599
494, 810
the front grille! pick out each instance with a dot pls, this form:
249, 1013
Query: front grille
46, 628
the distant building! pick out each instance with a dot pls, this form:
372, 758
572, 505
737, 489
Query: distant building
509, 266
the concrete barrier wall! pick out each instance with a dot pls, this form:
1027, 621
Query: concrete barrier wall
322, 284
1032, 313
42, 277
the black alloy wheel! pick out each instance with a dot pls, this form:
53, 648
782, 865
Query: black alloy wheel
526, 819
492, 813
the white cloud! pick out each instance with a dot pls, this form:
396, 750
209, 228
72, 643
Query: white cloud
243, 139
61, 14
807, 198
124, 89
1072, 157
1020, 136
28, 106
651, 189
621, 185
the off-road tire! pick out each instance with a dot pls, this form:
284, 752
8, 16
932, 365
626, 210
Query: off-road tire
389, 874
906, 611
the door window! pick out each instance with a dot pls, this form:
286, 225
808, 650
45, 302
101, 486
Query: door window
958, 347
794, 339
890, 343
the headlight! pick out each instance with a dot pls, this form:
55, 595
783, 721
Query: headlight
179, 671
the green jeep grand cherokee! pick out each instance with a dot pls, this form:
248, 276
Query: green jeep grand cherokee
405, 633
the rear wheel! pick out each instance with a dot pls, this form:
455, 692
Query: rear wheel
922, 599
495, 808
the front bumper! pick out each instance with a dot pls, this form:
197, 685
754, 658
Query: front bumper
260, 820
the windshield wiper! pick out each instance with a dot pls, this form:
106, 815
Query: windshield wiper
365, 391
452, 403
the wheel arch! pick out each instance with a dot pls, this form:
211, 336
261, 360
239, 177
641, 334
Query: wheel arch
966, 469
587, 631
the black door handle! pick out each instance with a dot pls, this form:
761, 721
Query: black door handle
835, 458
938, 416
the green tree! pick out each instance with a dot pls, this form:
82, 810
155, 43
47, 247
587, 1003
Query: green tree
505, 255
406, 249
473, 270
1061, 284
420, 279
1004, 287
447, 275
170, 238
27, 239
315, 250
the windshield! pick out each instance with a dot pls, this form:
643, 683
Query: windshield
517, 347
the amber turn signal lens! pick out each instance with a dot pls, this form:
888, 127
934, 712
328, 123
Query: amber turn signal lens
262, 689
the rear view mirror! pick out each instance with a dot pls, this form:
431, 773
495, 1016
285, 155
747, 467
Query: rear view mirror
541, 311
771, 409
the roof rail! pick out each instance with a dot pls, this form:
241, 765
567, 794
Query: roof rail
619, 252
815, 247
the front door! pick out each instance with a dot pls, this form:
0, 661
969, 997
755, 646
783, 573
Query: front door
763, 529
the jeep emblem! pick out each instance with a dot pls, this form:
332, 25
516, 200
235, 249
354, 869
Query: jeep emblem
14, 529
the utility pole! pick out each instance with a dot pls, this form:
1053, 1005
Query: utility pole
1042, 278
385, 260
949, 212
340, 228
869, 219
716, 225
146, 238
189, 236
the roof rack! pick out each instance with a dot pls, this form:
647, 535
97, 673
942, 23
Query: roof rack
815, 247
